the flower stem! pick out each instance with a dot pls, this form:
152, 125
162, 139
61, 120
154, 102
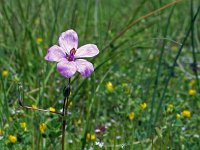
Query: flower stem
39, 109
20, 100
66, 93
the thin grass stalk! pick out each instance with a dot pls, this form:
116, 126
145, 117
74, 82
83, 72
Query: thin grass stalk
74, 15
159, 70
20, 100
96, 18
66, 93
86, 18
193, 48
137, 10
140, 19
5, 98
129, 26
56, 8
173, 66
8, 20
39, 109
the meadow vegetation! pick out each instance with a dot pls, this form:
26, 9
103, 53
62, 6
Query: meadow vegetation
143, 94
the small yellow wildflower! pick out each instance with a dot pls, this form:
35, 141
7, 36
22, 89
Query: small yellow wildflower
39, 40
131, 116
186, 114
1, 132
70, 104
109, 86
43, 127
34, 106
4, 73
79, 121
12, 138
170, 108
192, 82
23, 125
51, 109
192, 92
91, 137
178, 116
143, 106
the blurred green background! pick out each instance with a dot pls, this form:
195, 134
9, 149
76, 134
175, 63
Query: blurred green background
144, 93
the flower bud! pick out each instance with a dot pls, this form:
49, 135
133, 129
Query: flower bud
66, 91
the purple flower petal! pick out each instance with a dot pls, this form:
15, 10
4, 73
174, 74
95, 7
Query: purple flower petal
68, 40
88, 50
55, 53
66, 68
84, 67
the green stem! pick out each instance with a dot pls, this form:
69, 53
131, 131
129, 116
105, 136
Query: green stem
173, 66
159, 70
193, 48
65, 106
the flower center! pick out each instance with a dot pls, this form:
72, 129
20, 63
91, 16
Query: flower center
71, 57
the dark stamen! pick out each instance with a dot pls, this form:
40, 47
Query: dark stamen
72, 51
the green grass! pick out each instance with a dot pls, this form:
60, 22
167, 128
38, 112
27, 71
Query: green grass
146, 54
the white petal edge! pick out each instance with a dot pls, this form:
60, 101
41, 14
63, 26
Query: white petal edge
67, 68
55, 53
84, 67
88, 50
68, 40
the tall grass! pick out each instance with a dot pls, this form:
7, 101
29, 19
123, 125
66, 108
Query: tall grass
146, 50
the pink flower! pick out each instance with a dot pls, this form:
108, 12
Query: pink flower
69, 57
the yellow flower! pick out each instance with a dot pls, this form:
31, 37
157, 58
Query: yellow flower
12, 138
192, 82
43, 127
143, 106
178, 116
131, 116
88, 136
23, 125
186, 114
1, 132
4, 73
170, 108
34, 106
39, 40
79, 121
91, 137
109, 86
51, 109
192, 92
70, 104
